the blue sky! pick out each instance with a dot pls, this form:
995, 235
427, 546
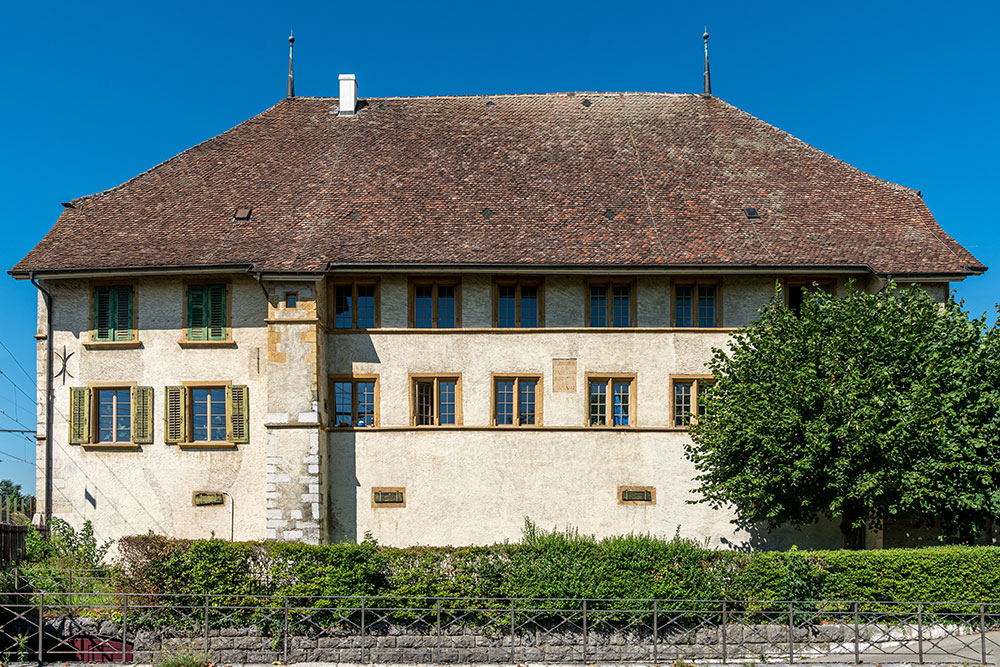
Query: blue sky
96, 93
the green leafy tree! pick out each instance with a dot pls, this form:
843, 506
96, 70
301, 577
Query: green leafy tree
16, 505
860, 409
9, 489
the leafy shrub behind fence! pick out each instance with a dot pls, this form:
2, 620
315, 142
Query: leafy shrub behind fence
556, 565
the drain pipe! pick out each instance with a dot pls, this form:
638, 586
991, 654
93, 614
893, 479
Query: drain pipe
47, 296
256, 275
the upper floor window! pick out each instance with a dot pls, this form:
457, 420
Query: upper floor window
796, 290
686, 398
517, 304
355, 305
355, 401
113, 314
696, 304
435, 304
611, 304
516, 401
207, 313
610, 400
436, 401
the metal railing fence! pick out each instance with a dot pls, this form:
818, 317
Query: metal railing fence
144, 627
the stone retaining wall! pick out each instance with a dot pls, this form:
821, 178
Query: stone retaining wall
387, 643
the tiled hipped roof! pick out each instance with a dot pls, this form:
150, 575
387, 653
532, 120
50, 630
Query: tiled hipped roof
653, 180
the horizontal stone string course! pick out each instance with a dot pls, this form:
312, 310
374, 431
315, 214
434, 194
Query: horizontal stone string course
393, 643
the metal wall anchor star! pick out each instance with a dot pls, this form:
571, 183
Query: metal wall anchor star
64, 357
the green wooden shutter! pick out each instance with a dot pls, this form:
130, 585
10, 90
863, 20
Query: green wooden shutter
174, 415
122, 304
238, 410
79, 415
102, 314
216, 312
196, 313
142, 415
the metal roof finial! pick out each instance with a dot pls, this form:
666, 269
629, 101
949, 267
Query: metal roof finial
291, 78
708, 75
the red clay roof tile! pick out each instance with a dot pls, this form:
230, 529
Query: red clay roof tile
406, 180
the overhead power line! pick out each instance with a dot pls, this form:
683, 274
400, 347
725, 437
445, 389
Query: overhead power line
17, 386
13, 419
26, 373
15, 458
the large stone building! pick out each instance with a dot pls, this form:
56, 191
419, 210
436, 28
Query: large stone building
431, 318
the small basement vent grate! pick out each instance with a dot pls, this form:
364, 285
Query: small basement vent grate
389, 497
636, 495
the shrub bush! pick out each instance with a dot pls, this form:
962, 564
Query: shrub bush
556, 565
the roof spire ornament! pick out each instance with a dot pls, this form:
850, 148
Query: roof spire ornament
708, 75
291, 78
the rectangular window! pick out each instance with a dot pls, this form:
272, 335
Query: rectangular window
435, 304
696, 305
207, 414
610, 401
436, 401
354, 402
687, 396
207, 313
112, 313
598, 305
355, 305
514, 401
611, 304
114, 415
517, 304
796, 290
111, 415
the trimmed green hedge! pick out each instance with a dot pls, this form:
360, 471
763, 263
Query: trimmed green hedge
557, 565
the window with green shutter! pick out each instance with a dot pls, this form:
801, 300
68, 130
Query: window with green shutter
206, 415
175, 415
206, 316
142, 415
79, 415
113, 313
238, 408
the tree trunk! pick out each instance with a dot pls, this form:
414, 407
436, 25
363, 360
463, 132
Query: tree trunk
854, 536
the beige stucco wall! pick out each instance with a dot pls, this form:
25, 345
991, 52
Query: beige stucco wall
129, 492
295, 480
477, 484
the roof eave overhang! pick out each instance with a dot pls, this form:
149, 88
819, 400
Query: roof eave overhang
662, 269
335, 267
24, 274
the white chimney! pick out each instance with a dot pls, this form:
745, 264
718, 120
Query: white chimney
348, 95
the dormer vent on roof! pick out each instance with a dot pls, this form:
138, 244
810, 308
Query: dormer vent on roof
348, 95
242, 213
